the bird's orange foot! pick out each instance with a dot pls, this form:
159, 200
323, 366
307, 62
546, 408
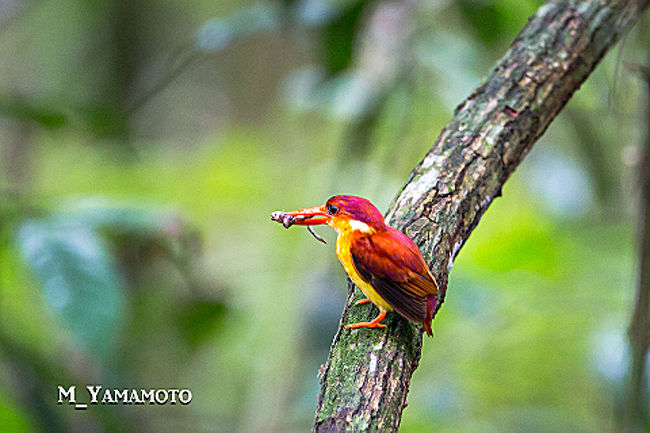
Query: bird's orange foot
362, 301
374, 324
364, 325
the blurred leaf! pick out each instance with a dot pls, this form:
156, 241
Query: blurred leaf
315, 12
12, 419
18, 108
359, 137
521, 239
340, 37
485, 19
198, 319
495, 21
79, 280
104, 121
217, 33
139, 232
102, 214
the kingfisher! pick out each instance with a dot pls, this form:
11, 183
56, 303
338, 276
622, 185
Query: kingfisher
381, 261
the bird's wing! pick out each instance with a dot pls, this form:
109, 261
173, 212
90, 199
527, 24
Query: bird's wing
393, 265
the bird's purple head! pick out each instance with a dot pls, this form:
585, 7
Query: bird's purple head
356, 208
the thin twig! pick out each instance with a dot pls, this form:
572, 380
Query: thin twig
161, 84
635, 407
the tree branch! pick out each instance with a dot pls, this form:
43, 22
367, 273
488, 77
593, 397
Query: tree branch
366, 379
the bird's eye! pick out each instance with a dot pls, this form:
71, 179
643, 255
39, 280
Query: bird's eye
331, 209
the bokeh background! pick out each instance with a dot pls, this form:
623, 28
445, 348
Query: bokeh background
145, 142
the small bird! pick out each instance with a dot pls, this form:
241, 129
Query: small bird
383, 262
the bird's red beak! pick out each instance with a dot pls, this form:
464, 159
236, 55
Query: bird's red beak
307, 216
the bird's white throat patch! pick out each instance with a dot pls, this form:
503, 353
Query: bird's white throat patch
360, 226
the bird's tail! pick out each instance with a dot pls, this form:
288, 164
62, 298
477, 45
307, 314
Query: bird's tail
431, 308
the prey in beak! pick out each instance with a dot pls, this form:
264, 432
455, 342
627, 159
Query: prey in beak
303, 217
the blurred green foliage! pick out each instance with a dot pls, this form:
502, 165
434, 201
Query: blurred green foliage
79, 280
146, 143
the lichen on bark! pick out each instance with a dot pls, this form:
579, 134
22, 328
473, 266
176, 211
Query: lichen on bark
365, 381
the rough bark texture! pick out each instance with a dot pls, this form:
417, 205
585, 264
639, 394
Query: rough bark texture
366, 378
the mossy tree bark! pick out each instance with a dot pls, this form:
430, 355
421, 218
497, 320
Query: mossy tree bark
366, 379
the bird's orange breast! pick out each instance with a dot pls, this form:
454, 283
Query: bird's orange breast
344, 255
